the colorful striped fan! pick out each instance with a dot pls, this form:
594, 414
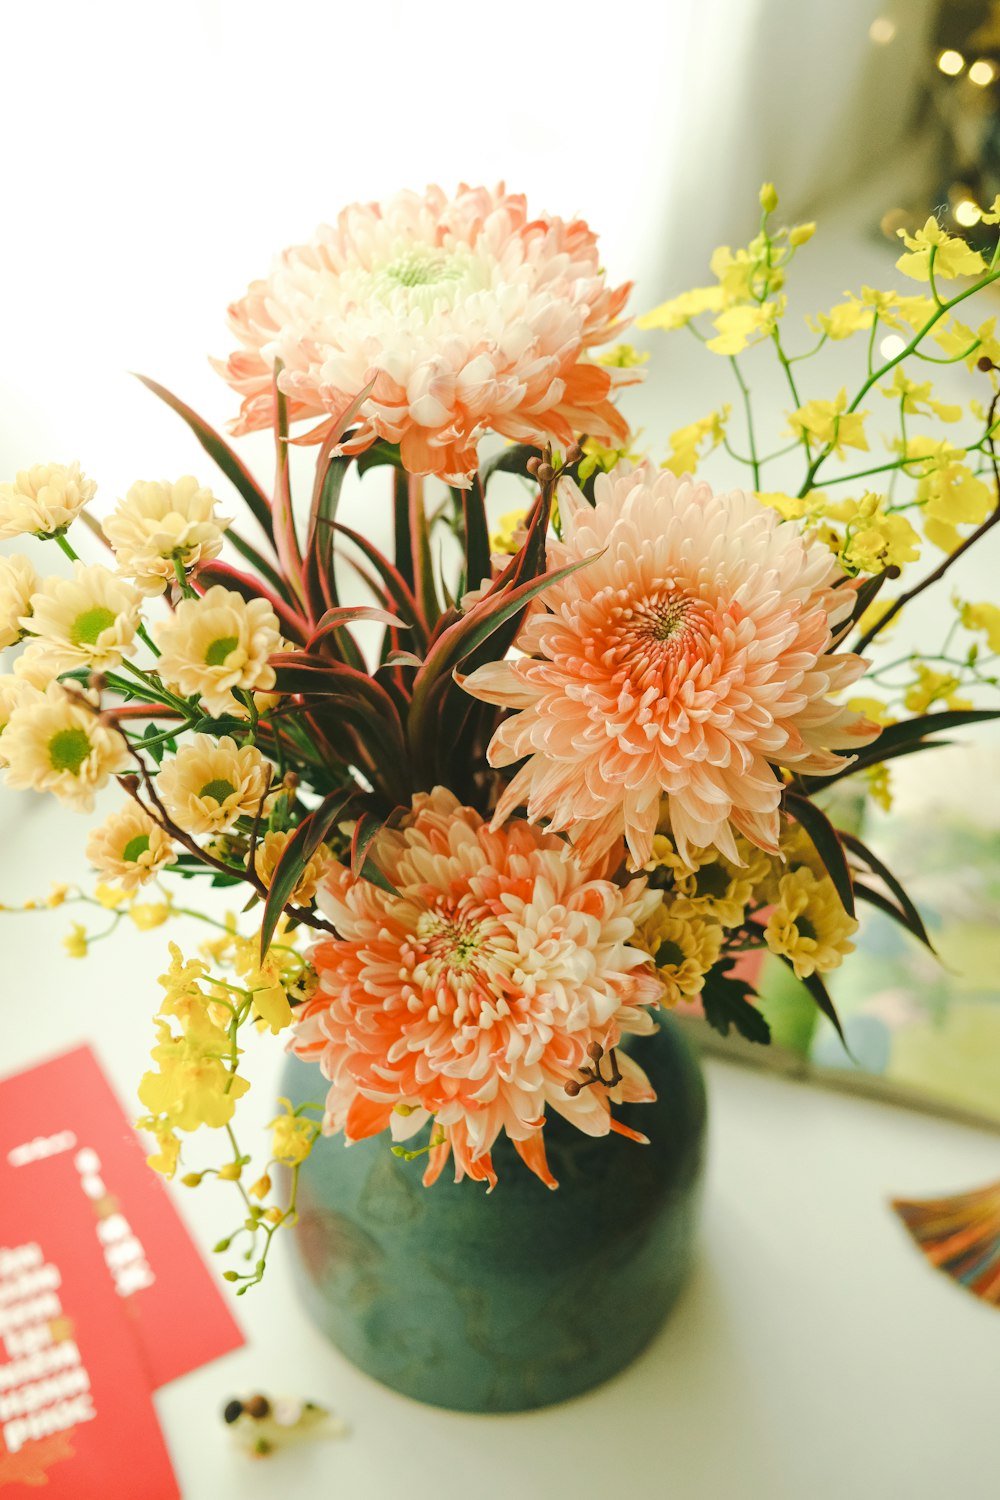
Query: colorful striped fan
960, 1236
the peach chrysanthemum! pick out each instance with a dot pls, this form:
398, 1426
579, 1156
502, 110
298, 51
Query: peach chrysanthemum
469, 315
474, 993
685, 663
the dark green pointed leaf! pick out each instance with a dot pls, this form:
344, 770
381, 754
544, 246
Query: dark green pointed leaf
890, 909
513, 460
296, 855
913, 919
827, 845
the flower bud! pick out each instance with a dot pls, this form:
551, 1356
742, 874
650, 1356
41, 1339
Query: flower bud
768, 198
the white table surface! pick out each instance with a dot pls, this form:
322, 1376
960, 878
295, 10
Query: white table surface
813, 1354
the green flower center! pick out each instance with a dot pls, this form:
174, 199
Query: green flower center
87, 627
68, 749
806, 928
670, 955
135, 849
417, 268
669, 619
220, 790
219, 650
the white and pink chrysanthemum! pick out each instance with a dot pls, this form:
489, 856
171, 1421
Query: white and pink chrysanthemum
474, 993
686, 662
468, 315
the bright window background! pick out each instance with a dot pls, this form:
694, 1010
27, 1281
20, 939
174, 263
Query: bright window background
159, 154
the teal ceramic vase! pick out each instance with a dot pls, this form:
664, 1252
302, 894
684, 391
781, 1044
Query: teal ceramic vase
518, 1298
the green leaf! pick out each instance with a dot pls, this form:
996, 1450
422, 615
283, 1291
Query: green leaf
296, 855
513, 460
890, 909
726, 1002
264, 568
380, 452
477, 533
222, 725
334, 620
367, 828
235, 471
911, 917
456, 643
285, 537
827, 844
906, 738
819, 992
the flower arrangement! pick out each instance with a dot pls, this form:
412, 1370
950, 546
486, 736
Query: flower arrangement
589, 767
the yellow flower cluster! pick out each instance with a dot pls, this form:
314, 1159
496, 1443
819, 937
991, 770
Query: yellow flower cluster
807, 924
685, 934
196, 1081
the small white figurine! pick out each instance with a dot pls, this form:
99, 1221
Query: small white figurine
261, 1426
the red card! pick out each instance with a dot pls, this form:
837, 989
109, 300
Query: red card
68, 1149
75, 1411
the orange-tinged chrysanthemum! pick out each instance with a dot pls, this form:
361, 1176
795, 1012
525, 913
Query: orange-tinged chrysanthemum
686, 662
474, 993
468, 315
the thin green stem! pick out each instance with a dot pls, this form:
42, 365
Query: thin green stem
64, 546
871, 344
182, 579
745, 392
789, 376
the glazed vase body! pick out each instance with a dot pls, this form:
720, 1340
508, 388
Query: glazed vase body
517, 1298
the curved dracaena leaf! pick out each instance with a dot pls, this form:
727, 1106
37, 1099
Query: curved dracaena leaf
331, 469
285, 537
819, 992
336, 619
913, 919
827, 845
296, 854
471, 631
890, 909
512, 460
263, 567
904, 738
397, 590
220, 452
